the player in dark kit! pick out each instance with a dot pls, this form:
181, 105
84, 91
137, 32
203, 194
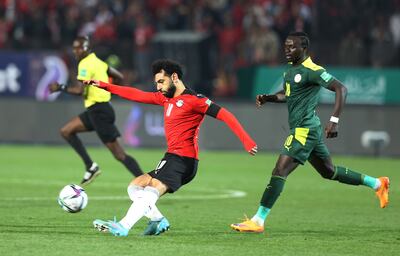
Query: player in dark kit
184, 111
302, 82
99, 115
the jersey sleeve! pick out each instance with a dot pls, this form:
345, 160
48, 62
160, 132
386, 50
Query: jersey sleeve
230, 120
204, 105
321, 77
84, 71
201, 104
133, 94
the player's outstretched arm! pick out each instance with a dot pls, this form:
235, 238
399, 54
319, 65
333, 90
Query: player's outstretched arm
278, 97
75, 89
228, 118
129, 93
340, 98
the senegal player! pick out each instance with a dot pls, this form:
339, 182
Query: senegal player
303, 80
99, 115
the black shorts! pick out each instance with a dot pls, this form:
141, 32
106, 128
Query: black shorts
100, 117
175, 171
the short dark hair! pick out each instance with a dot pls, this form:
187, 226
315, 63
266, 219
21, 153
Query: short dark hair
85, 41
169, 66
304, 40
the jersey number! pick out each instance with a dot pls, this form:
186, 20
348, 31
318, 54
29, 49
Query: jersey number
169, 109
160, 165
287, 93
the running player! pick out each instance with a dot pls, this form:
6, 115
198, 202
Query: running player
303, 80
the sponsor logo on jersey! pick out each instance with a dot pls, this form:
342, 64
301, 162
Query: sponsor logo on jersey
208, 102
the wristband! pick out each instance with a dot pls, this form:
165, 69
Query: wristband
63, 87
334, 119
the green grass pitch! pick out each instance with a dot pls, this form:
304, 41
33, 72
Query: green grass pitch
312, 217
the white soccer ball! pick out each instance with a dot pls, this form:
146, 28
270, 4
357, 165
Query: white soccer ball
72, 198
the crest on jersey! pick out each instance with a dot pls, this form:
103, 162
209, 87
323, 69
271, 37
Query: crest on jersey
179, 103
297, 78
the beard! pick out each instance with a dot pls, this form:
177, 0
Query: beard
169, 93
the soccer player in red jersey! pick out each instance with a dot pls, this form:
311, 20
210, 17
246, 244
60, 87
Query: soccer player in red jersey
184, 111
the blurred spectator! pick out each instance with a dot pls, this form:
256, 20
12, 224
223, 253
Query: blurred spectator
382, 46
263, 44
352, 50
395, 30
229, 38
142, 53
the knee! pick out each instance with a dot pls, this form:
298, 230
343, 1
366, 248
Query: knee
134, 191
328, 173
279, 171
120, 156
65, 132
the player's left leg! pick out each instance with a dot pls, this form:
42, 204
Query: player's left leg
129, 162
344, 175
284, 166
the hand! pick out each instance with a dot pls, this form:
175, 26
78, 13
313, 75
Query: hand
331, 130
54, 87
92, 82
263, 98
253, 150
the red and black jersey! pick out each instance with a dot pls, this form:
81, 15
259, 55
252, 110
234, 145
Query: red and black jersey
182, 117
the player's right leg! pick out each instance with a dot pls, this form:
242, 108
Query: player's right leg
284, 166
344, 175
69, 133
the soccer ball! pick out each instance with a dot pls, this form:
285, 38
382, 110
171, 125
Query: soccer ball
72, 198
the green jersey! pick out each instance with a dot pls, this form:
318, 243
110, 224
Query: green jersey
302, 84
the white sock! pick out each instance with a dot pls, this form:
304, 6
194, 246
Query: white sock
134, 193
140, 206
154, 214
259, 221
377, 184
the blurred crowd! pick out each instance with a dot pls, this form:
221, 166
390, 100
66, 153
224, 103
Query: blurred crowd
246, 32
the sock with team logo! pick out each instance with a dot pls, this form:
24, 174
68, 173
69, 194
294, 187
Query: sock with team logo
347, 176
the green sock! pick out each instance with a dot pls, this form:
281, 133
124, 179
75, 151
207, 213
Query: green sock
344, 175
272, 192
